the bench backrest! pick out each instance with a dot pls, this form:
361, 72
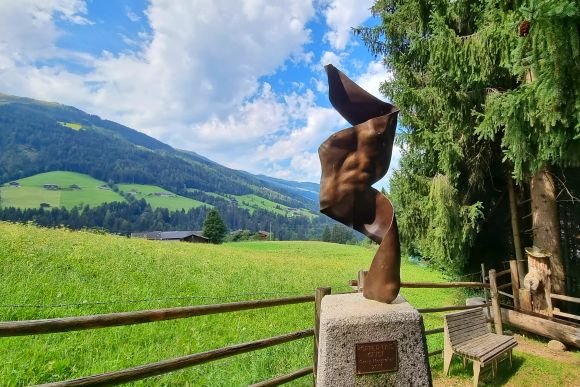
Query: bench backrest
465, 325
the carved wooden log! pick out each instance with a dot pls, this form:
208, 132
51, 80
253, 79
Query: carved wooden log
543, 326
537, 281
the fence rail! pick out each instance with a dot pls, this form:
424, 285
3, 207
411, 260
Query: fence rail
449, 308
565, 298
500, 273
165, 366
66, 324
356, 282
56, 325
285, 378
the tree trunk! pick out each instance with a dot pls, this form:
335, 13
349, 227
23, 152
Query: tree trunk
516, 229
546, 225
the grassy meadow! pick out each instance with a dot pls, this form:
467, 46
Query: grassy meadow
252, 202
31, 193
47, 267
71, 125
172, 203
50, 273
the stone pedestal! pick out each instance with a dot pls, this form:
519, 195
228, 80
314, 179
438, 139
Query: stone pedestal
359, 335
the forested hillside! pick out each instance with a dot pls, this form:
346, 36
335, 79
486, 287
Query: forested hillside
37, 137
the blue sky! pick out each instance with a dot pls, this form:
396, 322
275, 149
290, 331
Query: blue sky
240, 82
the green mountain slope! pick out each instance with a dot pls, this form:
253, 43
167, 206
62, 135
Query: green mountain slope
63, 189
38, 137
157, 197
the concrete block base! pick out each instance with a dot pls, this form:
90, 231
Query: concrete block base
350, 319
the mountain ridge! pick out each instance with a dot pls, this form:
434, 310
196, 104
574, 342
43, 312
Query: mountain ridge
31, 116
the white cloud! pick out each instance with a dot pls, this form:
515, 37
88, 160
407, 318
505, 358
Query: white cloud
244, 126
341, 16
131, 15
201, 63
302, 57
272, 134
194, 81
28, 31
303, 167
375, 74
329, 57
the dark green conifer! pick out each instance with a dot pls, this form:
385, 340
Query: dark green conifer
488, 90
214, 227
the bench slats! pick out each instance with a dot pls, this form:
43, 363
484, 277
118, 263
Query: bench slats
469, 336
480, 326
473, 342
491, 353
500, 351
496, 352
457, 341
463, 314
457, 337
454, 325
481, 347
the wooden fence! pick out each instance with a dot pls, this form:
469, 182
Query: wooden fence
537, 317
67, 324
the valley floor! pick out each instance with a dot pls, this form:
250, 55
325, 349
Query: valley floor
56, 273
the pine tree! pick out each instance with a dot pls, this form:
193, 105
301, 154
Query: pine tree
214, 227
487, 90
326, 234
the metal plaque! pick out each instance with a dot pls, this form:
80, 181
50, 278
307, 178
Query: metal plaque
379, 357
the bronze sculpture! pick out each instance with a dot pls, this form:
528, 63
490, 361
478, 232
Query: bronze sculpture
352, 160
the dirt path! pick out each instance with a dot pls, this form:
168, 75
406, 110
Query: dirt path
539, 349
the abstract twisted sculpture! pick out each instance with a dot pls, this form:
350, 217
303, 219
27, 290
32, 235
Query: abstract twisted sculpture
352, 160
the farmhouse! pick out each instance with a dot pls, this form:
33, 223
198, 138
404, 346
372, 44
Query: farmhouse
172, 236
263, 235
53, 187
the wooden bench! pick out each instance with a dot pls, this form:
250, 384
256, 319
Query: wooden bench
467, 335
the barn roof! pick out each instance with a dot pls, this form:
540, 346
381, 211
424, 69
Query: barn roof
167, 235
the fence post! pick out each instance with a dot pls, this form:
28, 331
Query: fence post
495, 302
318, 295
362, 274
515, 283
485, 293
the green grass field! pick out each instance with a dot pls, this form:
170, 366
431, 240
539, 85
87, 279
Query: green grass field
252, 202
31, 192
215, 195
71, 125
56, 273
172, 203
52, 267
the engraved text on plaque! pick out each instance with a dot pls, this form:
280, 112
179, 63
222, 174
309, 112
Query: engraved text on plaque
376, 357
